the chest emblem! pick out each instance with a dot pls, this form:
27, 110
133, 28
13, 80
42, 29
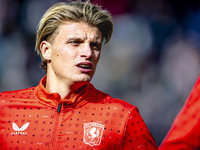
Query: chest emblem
93, 133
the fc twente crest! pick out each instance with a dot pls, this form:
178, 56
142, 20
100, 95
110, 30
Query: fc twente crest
93, 133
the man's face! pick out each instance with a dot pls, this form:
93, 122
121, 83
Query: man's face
75, 52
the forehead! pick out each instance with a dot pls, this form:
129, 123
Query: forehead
78, 30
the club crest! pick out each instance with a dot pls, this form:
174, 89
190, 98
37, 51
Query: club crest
93, 133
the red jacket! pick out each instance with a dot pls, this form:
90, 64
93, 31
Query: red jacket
185, 131
33, 119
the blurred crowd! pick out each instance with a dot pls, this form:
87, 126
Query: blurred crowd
152, 60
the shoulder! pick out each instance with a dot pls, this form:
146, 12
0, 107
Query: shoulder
126, 105
115, 102
28, 92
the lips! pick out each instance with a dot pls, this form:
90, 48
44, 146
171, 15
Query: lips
85, 67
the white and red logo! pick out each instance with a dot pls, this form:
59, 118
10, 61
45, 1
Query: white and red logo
19, 131
93, 133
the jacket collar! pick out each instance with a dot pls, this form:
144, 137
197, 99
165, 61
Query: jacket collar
72, 100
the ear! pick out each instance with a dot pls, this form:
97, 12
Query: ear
45, 48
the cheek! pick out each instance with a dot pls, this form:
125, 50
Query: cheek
60, 56
58, 59
98, 57
55, 54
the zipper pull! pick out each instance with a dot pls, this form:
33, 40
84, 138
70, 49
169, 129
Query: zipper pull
59, 107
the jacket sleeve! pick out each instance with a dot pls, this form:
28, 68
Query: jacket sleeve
184, 132
137, 135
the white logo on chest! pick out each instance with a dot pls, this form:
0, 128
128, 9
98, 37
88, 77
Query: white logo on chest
93, 133
19, 131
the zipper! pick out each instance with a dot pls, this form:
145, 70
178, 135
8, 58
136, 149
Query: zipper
55, 127
59, 107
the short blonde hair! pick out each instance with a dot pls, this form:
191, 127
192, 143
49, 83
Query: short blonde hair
75, 11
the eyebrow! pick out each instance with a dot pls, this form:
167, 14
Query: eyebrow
74, 38
95, 40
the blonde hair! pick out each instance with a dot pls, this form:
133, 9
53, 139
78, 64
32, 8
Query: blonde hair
76, 11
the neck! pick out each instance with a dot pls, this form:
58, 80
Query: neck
64, 89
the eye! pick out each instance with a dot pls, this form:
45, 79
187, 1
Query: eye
95, 46
75, 42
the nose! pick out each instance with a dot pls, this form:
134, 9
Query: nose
86, 51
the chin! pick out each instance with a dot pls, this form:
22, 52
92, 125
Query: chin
84, 80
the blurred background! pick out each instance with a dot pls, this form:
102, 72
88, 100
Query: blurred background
152, 60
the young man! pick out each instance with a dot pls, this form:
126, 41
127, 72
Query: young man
184, 133
65, 111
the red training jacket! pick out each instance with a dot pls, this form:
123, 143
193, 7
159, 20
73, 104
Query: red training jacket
33, 119
185, 131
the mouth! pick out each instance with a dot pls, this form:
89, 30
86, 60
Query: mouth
85, 67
